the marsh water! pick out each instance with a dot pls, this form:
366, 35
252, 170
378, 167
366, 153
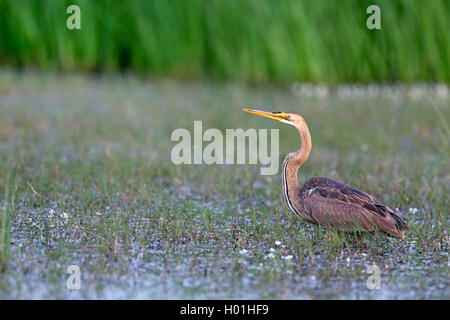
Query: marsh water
86, 180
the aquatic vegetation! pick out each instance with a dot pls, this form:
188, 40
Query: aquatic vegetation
86, 180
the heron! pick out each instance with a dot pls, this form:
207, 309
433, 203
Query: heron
333, 205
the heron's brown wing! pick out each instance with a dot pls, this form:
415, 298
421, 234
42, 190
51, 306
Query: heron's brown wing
334, 213
335, 204
329, 188
332, 189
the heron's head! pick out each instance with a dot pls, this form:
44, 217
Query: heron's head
290, 118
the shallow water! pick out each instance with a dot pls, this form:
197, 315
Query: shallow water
85, 180
205, 268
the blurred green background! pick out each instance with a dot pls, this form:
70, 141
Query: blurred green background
247, 40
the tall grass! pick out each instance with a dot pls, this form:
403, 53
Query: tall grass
6, 208
250, 40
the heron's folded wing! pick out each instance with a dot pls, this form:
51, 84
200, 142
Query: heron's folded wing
336, 213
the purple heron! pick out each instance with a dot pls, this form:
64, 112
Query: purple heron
326, 202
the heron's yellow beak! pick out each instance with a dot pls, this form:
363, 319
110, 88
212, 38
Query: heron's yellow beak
277, 115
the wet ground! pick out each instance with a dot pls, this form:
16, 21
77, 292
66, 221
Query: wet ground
86, 180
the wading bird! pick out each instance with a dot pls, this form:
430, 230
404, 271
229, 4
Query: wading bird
331, 204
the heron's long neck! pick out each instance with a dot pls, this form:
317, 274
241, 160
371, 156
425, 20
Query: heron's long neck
293, 161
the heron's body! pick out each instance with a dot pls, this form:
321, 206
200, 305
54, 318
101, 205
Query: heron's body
326, 202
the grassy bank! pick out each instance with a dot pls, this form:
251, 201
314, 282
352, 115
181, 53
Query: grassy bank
249, 40
86, 179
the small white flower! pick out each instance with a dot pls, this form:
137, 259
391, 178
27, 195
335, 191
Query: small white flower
51, 212
271, 255
348, 260
413, 210
65, 216
243, 251
272, 250
288, 257
98, 213
277, 242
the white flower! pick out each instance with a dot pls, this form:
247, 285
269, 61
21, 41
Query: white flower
413, 210
98, 213
272, 250
65, 216
271, 255
277, 242
288, 257
243, 251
